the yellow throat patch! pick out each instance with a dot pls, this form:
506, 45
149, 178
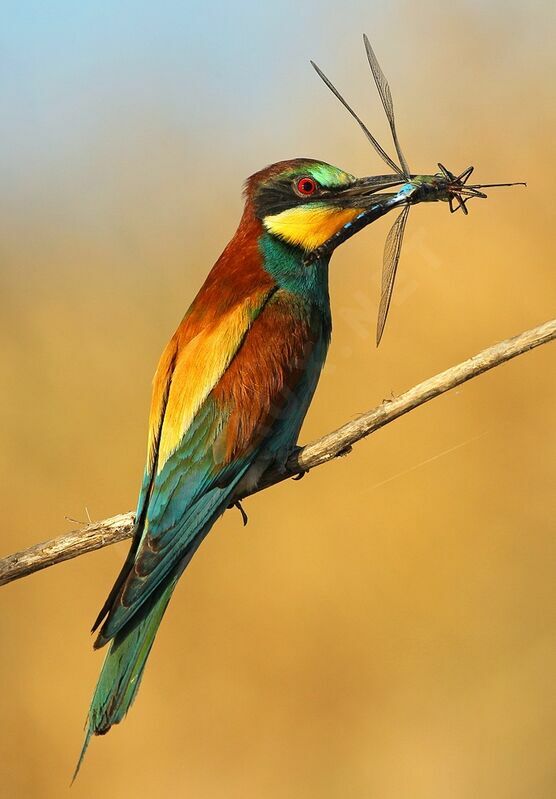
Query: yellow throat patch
309, 226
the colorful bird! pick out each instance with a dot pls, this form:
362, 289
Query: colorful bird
234, 383
229, 395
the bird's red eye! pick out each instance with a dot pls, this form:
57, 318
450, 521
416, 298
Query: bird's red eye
306, 186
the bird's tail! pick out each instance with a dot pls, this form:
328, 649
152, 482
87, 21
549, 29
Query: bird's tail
122, 670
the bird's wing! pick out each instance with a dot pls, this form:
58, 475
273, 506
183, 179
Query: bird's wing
214, 402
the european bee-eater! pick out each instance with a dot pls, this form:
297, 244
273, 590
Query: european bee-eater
230, 394
234, 383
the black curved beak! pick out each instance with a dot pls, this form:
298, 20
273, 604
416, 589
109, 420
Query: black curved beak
361, 194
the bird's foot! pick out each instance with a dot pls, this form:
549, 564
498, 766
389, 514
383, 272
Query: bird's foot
300, 475
244, 517
295, 472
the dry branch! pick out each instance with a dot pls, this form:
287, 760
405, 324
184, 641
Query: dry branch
109, 531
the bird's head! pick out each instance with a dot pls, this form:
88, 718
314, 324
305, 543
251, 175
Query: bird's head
309, 204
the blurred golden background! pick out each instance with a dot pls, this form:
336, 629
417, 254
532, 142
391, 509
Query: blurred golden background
386, 628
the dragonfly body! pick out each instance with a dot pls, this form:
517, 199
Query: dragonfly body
427, 189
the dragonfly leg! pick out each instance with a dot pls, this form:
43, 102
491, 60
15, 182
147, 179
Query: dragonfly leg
446, 172
464, 177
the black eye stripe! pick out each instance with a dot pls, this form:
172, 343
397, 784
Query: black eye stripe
280, 195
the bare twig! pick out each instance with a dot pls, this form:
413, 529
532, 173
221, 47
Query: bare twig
339, 442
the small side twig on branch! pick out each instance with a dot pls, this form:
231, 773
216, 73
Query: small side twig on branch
340, 441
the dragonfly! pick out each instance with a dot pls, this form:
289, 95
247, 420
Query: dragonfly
443, 186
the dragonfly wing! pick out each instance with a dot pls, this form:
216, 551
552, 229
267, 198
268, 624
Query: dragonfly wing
386, 98
380, 150
392, 250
